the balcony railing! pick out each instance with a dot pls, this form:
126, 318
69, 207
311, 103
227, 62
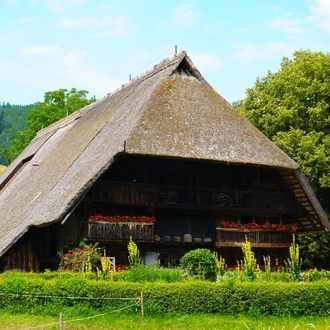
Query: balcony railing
102, 230
125, 193
228, 237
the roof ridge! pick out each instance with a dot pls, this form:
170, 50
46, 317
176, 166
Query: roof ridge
156, 68
75, 115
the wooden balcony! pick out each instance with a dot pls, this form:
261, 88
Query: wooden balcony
107, 231
172, 196
228, 237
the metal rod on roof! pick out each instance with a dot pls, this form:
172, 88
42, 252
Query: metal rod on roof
176, 49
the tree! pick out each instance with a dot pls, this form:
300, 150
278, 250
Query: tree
315, 249
2, 120
292, 107
14, 120
56, 105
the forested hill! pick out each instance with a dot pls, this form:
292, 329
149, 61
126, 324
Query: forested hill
12, 119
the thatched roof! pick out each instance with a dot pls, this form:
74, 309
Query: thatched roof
169, 111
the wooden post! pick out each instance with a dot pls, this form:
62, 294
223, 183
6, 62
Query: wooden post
61, 321
142, 304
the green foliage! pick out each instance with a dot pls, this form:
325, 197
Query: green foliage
221, 264
292, 107
133, 253
249, 262
146, 273
81, 259
315, 249
192, 297
200, 263
56, 105
267, 265
294, 260
13, 121
106, 271
2, 120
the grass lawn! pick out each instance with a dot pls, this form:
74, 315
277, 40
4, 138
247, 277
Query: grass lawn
184, 322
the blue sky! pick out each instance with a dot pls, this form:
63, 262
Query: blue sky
97, 44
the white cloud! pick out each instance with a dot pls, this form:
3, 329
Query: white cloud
42, 76
206, 62
249, 52
7, 41
57, 6
56, 53
48, 50
28, 20
70, 23
74, 58
275, 8
321, 14
95, 80
23, 21
51, 67
119, 26
286, 25
185, 15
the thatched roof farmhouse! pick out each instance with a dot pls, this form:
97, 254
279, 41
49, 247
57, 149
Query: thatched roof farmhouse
168, 114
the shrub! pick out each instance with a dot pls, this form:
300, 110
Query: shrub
25, 293
77, 259
146, 273
200, 263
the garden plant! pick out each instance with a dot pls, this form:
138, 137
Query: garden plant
201, 285
201, 264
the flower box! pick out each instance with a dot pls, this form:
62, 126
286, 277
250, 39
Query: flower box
104, 230
123, 218
232, 237
253, 226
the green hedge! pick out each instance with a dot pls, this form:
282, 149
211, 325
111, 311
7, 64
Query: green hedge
278, 299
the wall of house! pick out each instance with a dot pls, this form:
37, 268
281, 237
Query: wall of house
23, 255
189, 197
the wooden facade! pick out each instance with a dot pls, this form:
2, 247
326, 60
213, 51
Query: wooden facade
189, 200
23, 256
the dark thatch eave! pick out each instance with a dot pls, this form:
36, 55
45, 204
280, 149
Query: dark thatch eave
318, 220
170, 111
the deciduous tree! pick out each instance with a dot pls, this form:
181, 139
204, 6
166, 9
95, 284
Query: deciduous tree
56, 105
292, 107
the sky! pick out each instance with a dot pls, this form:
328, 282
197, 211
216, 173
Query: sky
96, 45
